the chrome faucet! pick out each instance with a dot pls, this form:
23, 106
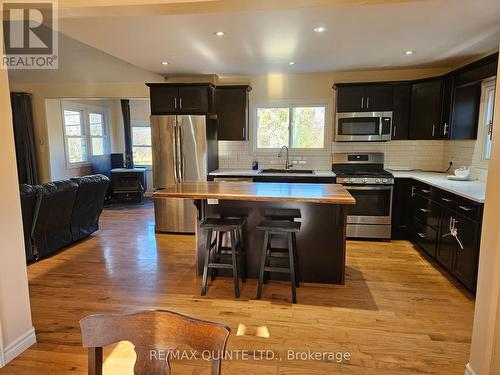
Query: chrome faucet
288, 165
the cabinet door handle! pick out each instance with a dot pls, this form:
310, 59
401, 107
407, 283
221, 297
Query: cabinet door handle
426, 191
180, 103
422, 235
465, 208
424, 210
362, 102
447, 200
413, 191
394, 131
367, 102
175, 103
445, 129
244, 133
433, 130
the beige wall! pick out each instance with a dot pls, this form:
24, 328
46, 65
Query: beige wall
15, 313
485, 348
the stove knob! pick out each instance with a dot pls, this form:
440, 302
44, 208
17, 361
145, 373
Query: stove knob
365, 180
385, 180
377, 181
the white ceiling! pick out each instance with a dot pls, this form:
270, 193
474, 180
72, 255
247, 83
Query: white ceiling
441, 32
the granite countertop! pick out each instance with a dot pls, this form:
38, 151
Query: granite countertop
474, 190
252, 173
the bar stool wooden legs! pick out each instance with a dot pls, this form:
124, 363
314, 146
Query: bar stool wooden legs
279, 228
215, 252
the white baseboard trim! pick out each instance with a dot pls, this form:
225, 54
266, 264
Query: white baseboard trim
469, 370
19, 345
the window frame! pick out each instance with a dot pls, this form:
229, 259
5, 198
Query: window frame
141, 124
483, 128
85, 110
291, 104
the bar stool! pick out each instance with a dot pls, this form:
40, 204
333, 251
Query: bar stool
215, 252
282, 228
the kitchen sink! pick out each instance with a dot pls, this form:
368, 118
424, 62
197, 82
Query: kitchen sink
287, 171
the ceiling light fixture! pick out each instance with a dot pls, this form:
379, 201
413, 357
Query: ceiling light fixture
320, 29
409, 52
164, 63
219, 33
291, 63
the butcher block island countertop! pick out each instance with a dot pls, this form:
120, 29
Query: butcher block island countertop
259, 191
322, 212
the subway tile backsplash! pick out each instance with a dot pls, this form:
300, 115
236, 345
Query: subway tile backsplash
427, 155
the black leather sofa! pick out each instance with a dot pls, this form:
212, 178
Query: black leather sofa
87, 209
28, 204
56, 214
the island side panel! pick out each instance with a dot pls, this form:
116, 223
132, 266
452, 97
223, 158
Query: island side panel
321, 241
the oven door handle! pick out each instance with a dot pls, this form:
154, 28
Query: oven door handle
349, 187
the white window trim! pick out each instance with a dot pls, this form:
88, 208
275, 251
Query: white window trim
325, 150
141, 124
483, 127
86, 109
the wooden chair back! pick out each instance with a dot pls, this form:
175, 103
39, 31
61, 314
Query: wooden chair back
152, 330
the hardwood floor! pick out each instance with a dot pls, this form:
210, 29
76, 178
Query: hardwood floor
397, 314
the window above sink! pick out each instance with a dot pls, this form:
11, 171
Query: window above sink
302, 127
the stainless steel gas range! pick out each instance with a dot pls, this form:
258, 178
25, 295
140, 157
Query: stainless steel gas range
364, 177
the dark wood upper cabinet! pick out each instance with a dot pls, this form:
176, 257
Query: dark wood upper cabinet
446, 107
163, 99
477, 71
232, 112
465, 117
378, 97
350, 98
401, 106
194, 98
364, 98
425, 109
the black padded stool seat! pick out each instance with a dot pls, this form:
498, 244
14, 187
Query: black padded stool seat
289, 230
215, 252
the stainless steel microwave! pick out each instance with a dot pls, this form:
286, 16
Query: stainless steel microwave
363, 126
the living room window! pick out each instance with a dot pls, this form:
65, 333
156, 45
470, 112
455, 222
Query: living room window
142, 152
85, 133
300, 127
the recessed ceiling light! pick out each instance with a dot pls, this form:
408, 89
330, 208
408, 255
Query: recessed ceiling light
320, 29
291, 63
164, 63
409, 52
220, 33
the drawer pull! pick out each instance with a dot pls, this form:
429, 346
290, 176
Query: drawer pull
426, 191
465, 208
422, 235
424, 210
447, 200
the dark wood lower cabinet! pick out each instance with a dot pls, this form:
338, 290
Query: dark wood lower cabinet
446, 248
432, 219
425, 237
465, 248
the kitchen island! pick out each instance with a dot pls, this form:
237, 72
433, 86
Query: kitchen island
320, 242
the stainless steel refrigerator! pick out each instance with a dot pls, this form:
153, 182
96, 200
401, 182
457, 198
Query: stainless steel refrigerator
184, 149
